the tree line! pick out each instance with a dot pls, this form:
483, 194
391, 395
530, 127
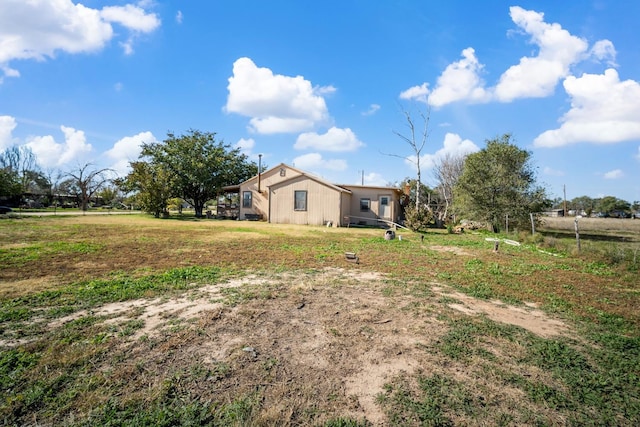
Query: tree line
495, 183
192, 167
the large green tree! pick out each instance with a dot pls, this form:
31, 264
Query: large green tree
498, 181
151, 184
610, 204
582, 203
10, 186
199, 166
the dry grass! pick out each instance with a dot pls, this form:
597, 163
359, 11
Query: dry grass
131, 320
617, 226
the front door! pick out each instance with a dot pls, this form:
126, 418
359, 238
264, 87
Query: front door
384, 207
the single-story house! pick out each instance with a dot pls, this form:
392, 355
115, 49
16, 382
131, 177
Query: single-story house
286, 195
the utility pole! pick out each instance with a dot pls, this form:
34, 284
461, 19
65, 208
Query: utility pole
564, 190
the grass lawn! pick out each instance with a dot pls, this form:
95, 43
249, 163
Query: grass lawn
129, 320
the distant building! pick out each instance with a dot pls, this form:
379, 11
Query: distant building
554, 213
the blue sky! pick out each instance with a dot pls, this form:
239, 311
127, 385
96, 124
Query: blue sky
322, 85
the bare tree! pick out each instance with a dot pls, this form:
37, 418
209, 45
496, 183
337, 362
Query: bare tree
417, 139
21, 161
87, 182
446, 171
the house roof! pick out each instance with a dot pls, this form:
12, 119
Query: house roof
281, 165
338, 187
380, 187
231, 188
313, 178
300, 172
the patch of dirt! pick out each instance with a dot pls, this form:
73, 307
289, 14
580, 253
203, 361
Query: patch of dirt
158, 312
528, 317
453, 249
329, 339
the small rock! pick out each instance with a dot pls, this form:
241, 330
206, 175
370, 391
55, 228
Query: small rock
251, 352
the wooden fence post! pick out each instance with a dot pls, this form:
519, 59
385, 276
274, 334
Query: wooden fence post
533, 224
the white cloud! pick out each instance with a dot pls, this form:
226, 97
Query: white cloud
8, 72
418, 93
614, 174
127, 46
538, 76
603, 50
131, 17
334, 140
246, 145
373, 179
275, 103
604, 110
50, 153
128, 149
373, 108
271, 125
314, 162
325, 90
460, 81
533, 76
453, 145
37, 29
7, 125
179, 17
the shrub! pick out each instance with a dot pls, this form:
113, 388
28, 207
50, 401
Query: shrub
417, 219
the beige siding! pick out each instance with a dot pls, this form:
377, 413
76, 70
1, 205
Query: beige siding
323, 203
345, 209
375, 212
260, 201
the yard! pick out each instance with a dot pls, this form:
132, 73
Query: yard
130, 320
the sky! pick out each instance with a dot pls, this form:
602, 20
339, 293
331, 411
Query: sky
324, 85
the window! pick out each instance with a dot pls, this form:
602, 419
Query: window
384, 201
365, 205
283, 172
246, 199
300, 201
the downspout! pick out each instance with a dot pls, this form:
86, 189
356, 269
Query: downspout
259, 171
269, 205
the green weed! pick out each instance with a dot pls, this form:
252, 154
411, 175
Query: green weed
346, 422
430, 402
23, 254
